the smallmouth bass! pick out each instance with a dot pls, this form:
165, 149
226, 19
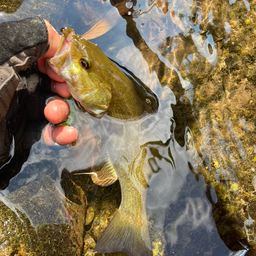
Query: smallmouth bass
100, 87
97, 84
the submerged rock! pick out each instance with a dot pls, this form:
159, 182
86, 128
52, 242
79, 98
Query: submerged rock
42, 221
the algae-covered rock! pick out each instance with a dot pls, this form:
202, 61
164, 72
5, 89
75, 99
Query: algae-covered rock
15, 232
49, 223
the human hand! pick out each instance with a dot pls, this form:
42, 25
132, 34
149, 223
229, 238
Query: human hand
57, 110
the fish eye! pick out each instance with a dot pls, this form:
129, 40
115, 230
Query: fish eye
84, 63
148, 101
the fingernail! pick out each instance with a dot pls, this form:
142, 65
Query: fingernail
65, 110
76, 130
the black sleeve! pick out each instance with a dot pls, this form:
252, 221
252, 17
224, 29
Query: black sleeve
21, 44
17, 36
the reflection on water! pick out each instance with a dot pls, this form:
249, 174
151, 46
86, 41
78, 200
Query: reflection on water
197, 152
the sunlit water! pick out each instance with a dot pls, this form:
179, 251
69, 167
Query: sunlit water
200, 157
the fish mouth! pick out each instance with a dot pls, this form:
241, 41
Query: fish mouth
66, 40
59, 59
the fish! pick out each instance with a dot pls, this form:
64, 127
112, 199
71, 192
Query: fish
97, 84
100, 87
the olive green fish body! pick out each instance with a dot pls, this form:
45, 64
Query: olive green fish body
96, 83
128, 230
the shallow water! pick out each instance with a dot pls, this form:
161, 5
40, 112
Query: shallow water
198, 57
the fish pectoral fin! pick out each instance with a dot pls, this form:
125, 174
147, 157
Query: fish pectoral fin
123, 235
106, 176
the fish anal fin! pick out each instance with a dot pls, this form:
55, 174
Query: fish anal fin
106, 176
124, 236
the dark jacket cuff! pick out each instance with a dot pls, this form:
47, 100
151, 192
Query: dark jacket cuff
17, 36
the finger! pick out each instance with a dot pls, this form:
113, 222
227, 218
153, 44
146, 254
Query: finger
61, 89
54, 40
56, 111
54, 76
41, 62
61, 135
64, 135
46, 69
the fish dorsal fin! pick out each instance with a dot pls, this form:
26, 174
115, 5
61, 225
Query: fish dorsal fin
104, 25
106, 176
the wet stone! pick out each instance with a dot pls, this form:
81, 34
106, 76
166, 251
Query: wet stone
53, 224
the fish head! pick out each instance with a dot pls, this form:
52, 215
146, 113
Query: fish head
80, 63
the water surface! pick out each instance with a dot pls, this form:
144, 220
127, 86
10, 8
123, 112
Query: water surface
200, 160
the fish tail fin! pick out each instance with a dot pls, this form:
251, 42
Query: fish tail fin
124, 236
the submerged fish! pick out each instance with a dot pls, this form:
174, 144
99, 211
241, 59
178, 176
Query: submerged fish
99, 87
